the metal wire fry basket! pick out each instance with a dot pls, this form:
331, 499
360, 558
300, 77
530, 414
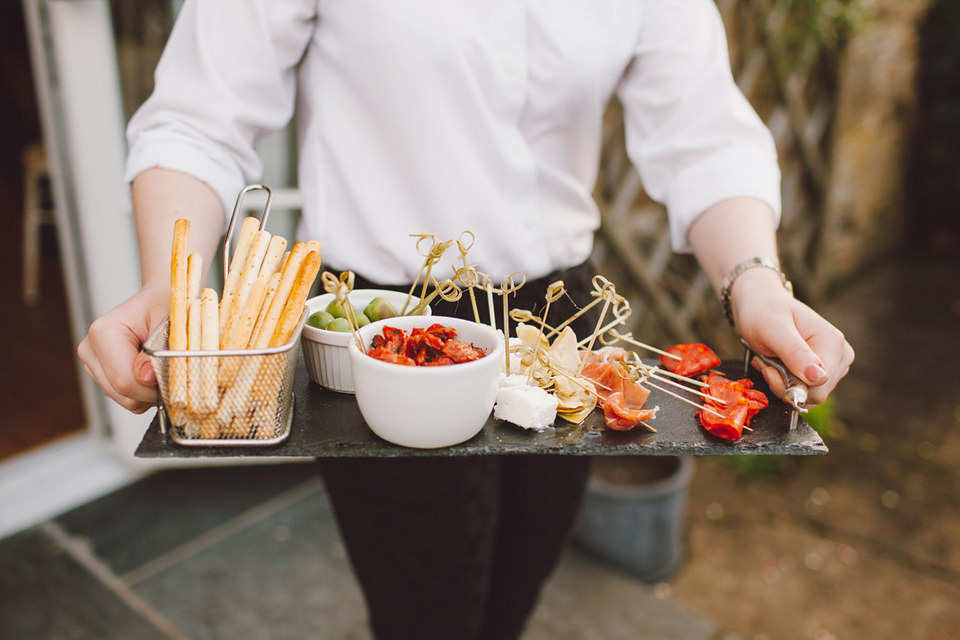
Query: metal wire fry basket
226, 397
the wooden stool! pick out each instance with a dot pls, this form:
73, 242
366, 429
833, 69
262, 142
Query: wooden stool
37, 211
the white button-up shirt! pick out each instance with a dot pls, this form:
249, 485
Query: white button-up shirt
438, 116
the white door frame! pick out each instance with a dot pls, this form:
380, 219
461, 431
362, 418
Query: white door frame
74, 68
77, 80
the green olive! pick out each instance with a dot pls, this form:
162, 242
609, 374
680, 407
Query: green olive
379, 308
335, 309
320, 319
339, 324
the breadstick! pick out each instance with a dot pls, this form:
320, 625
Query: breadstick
177, 341
240, 338
293, 308
272, 287
251, 269
238, 335
236, 398
266, 396
193, 325
193, 368
287, 280
177, 327
209, 429
247, 231
194, 275
274, 255
236, 428
178, 254
206, 400
266, 400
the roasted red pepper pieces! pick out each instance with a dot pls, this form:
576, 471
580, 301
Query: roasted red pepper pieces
737, 403
385, 354
433, 346
694, 358
729, 426
736, 400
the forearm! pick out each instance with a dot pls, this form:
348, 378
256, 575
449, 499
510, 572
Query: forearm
764, 312
160, 196
730, 232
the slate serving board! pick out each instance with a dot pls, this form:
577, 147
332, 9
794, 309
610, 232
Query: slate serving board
328, 424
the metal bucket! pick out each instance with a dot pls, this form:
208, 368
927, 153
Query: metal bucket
638, 527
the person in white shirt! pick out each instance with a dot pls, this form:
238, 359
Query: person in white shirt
438, 117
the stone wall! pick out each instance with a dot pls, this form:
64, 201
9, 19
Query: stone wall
864, 209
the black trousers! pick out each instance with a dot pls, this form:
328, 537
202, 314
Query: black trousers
458, 548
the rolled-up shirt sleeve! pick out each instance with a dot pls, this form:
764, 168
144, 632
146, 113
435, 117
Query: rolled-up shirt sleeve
226, 78
692, 136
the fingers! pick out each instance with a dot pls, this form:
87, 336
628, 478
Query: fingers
838, 362
774, 380
133, 388
111, 351
809, 346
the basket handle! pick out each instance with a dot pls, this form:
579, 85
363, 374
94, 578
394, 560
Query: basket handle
237, 208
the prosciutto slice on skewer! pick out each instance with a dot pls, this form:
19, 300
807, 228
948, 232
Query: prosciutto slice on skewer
622, 400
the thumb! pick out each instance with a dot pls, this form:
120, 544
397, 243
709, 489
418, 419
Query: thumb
143, 370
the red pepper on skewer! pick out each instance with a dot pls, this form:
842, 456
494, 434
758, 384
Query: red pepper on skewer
694, 358
737, 403
729, 426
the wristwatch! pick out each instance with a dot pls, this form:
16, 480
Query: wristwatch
731, 277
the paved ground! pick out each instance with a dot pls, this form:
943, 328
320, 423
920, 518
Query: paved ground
253, 554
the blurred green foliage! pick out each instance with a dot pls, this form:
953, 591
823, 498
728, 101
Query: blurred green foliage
818, 417
814, 26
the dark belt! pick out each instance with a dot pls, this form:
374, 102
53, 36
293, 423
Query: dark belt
577, 280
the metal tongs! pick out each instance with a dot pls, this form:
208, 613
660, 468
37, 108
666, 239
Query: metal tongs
796, 393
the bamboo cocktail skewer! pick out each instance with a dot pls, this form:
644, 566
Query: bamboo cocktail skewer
581, 382
508, 286
430, 258
467, 276
553, 293
657, 374
649, 374
446, 290
525, 316
466, 273
489, 290
608, 293
687, 400
340, 288
616, 336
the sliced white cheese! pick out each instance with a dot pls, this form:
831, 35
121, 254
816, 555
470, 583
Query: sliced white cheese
524, 405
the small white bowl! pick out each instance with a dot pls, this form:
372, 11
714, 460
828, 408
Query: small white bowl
325, 352
427, 407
